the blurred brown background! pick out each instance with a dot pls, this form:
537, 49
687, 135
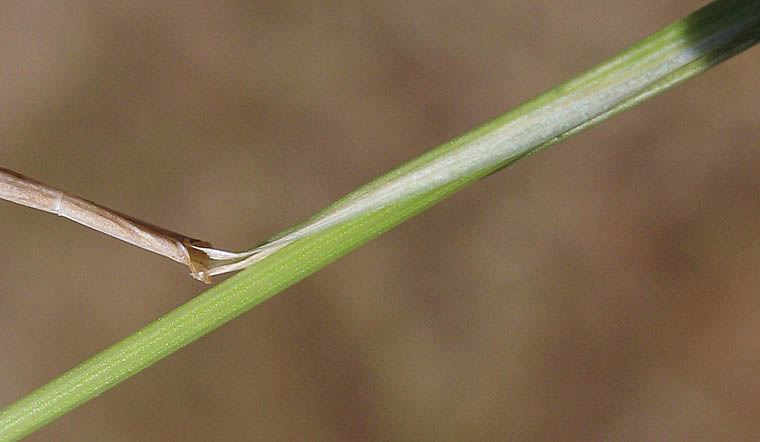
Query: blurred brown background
604, 290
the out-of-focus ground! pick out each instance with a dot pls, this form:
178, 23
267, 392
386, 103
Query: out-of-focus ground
604, 290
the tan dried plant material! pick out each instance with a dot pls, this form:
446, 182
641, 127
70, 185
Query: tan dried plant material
183, 249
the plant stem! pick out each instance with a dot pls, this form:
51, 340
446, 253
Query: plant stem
29, 192
679, 51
